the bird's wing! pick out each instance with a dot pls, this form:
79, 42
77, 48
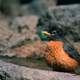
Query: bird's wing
72, 51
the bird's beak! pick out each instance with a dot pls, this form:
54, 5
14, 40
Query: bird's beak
46, 33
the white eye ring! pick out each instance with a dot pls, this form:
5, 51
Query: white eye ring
54, 32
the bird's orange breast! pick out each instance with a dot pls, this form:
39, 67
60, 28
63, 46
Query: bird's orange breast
56, 56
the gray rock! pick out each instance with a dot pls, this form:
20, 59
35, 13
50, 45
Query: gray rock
65, 19
10, 7
39, 7
17, 32
10, 71
25, 7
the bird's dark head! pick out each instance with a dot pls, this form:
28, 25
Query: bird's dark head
54, 35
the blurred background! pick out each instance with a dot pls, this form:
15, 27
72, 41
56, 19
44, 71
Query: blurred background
21, 20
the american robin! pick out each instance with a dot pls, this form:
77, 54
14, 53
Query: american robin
60, 54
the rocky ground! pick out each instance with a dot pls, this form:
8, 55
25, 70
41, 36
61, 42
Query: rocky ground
20, 44
10, 71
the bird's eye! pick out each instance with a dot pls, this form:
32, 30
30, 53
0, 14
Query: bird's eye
54, 32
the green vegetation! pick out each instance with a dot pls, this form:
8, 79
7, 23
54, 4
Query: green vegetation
38, 63
21, 43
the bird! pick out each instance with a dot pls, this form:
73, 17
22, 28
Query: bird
60, 54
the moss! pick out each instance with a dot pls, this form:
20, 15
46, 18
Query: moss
31, 62
21, 43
